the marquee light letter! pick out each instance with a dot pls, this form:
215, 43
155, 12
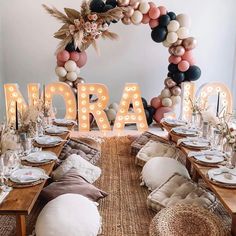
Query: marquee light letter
66, 92
188, 92
132, 95
33, 93
95, 108
13, 95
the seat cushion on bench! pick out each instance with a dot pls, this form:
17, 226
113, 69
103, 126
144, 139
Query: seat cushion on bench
72, 182
74, 146
179, 189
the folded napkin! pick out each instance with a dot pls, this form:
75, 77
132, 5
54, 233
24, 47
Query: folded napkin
192, 139
206, 153
44, 140
65, 121
56, 130
40, 156
24, 178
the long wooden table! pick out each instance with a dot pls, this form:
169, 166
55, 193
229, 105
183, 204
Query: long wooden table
20, 201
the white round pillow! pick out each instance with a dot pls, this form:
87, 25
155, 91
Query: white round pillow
69, 214
159, 169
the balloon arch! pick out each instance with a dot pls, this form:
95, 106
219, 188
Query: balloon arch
82, 28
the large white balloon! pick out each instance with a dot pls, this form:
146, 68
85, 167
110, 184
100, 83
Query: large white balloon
71, 76
183, 33
70, 66
165, 93
184, 20
111, 114
77, 71
166, 102
166, 44
60, 71
172, 37
144, 7
173, 26
175, 100
137, 17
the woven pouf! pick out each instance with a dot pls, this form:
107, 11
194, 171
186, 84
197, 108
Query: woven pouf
186, 220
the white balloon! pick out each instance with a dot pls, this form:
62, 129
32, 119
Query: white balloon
71, 76
172, 37
70, 66
183, 33
61, 71
173, 26
144, 7
165, 93
77, 71
175, 100
137, 17
111, 114
166, 44
184, 20
114, 106
166, 102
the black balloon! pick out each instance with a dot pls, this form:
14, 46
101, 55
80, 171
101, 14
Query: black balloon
70, 47
193, 73
148, 117
114, 21
145, 104
172, 15
151, 110
170, 75
159, 34
173, 68
178, 77
107, 8
97, 6
111, 2
164, 20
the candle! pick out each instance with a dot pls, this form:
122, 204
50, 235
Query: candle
17, 125
44, 100
218, 105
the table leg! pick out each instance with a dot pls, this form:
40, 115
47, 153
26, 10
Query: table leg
20, 225
233, 227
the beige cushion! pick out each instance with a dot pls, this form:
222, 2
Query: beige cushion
179, 189
155, 149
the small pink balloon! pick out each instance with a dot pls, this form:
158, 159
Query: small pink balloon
152, 4
188, 56
183, 66
153, 23
63, 56
74, 56
156, 102
145, 19
154, 13
163, 10
159, 114
60, 63
82, 59
175, 60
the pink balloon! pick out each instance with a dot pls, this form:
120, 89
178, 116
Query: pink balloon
60, 63
74, 56
163, 10
145, 19
152, 4
175, 60
82, 59
63, 56
154, 13
156, 102
159, 114
183, 66
153, 23
188, 56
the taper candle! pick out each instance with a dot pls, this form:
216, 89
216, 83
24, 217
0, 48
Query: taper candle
218, 105
17, 124
44, 100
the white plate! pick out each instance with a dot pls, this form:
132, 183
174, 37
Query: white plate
40, 157
27, 175
185, 131
174, 122
64, 122
217, 175
197, 144
209, 159
56, 130
48, 140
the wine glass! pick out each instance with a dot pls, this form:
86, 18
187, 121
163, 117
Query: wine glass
3, 178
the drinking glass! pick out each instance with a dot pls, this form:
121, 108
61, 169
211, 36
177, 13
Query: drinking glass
3, 178
217, 140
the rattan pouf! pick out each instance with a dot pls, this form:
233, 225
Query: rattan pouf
186, 220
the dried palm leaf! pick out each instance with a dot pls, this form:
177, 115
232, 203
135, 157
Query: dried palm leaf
57, 14
85, 10
62, 45
113, 14
61, 34
72, 14
109, 35
78, 37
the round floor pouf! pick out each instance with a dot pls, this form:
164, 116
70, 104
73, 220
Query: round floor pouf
69, 214
186, 220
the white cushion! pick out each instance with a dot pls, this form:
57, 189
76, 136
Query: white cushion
155, 149
69, 214
85, 169
159, 169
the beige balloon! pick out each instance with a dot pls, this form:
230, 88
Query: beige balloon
126, 21
189, 43
129, 11
134, 4
172, 37
183, 33
179, 51
123, 3
137, 17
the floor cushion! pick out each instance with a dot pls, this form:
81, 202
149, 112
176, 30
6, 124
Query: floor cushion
72, 182
159, 169
185, 220
69, 214
179, 189
155, 149
86, 151
84, 168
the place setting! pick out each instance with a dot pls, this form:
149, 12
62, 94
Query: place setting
47, 141
171, 122
185, 131
196, 143
56, 130
64, 122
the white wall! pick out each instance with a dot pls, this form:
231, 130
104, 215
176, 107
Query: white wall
29, 47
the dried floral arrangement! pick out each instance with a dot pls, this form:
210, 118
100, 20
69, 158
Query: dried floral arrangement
84, 27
